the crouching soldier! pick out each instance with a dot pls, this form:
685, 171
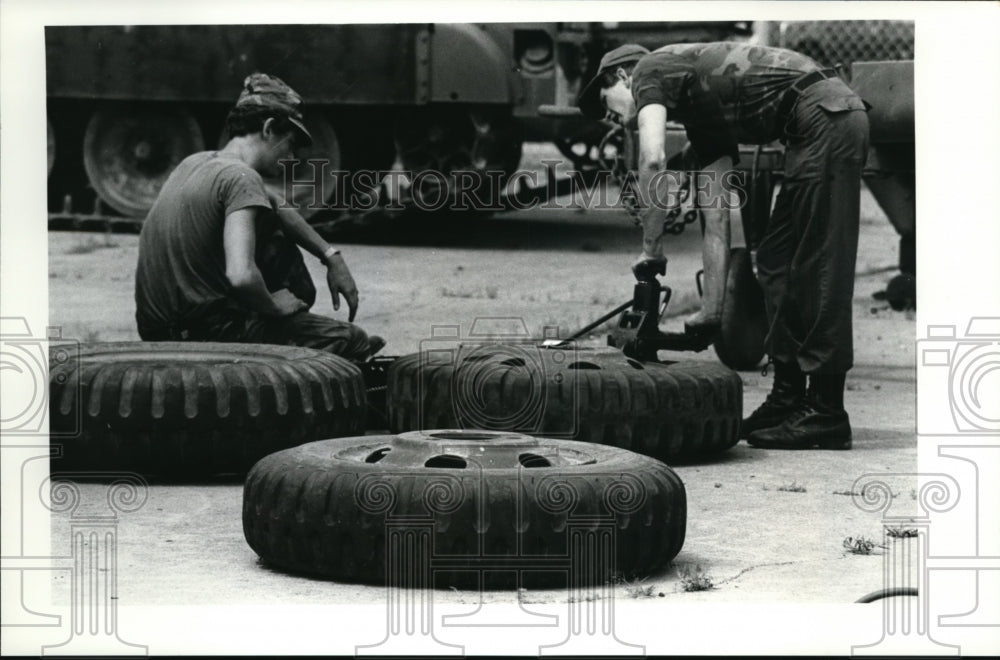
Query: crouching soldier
218, 255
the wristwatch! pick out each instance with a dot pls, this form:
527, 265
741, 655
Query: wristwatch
330, 252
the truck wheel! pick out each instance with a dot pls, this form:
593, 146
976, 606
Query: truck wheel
454, 149
443, 503
129, 153
670, 411
191, 409
744, 320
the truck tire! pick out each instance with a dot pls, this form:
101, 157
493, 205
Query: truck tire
346, 509
669, 411
184, 409
740, 344
130, 150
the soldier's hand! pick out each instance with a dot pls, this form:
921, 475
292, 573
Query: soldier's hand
341, 282
287, 303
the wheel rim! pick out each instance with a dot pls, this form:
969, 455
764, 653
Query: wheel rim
128, 155
457, 449
309, 179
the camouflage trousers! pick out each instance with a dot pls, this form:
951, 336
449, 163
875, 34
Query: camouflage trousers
282, 267
807, 256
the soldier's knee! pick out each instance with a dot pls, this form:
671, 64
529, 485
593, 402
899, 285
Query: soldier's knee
357, 343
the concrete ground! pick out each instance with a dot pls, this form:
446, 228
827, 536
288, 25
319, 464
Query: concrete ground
763, 526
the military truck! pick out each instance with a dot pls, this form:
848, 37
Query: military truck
127, 103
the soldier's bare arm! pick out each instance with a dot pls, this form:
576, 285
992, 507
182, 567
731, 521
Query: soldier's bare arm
338, 275
239, 241
652, 160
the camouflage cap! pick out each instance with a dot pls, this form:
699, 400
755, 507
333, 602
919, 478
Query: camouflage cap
269, 91
589, 100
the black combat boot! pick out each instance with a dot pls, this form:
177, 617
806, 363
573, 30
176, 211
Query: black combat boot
788, 388
819, 421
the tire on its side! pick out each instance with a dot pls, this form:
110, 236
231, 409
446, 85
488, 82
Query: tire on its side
669, 411
183, 409
346, 509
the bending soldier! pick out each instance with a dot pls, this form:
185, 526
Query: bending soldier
730, 93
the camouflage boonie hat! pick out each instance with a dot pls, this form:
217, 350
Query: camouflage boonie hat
268, 91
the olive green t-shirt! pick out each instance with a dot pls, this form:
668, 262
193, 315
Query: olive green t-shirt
181, 273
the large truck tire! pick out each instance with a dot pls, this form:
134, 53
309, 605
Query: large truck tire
441, 506
184, 409
740, 344
669, 411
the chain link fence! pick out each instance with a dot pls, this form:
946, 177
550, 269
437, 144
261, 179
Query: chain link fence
840, 43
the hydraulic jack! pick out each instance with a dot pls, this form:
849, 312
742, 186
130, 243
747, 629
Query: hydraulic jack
638, 334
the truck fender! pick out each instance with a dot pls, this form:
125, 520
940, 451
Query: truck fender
467, 66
